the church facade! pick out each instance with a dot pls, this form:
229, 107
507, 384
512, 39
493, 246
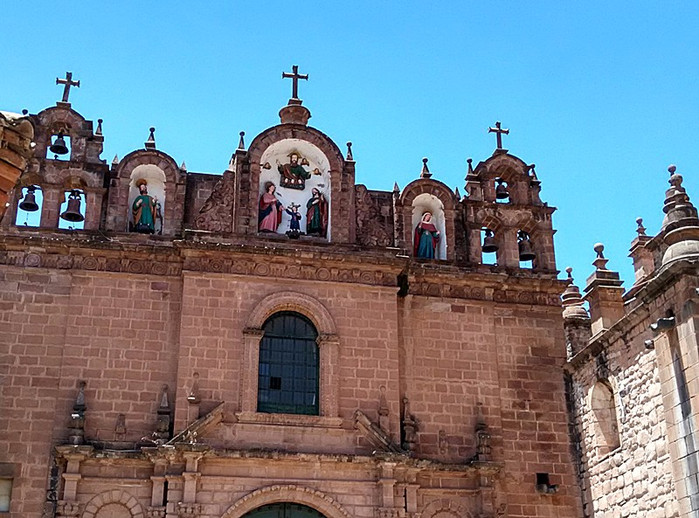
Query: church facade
279, 340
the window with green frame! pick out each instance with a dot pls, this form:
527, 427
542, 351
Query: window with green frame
289, 365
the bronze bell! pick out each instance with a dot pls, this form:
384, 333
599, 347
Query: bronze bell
72, 213
29, 202
489, 243
501, 192
525, 247
59, 145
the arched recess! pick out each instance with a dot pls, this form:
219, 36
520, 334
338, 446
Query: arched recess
340, 173
328, 343
153, 166
414, 198
444, 508
606, 425
71, 123
287, 493
116, 500
512, 170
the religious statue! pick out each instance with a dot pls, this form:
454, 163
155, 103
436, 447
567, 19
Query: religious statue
317, 214
144, 210
426, 238
270, 215
294, 218
294, 175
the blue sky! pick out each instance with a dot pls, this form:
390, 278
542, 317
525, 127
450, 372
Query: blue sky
602, 96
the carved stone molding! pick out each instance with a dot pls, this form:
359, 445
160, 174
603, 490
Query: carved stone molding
155, 512
188, 510
69, 508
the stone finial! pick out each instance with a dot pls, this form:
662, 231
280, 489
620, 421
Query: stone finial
483, 448
76, 429
241, 142
98, 131
115, 161
457, 193
183, 167
350, 158
150, 143
383, 410
425, 173
681, 223
396, 189
600, 263
572, 300
193, 398
469, 161
640, 229
531, 169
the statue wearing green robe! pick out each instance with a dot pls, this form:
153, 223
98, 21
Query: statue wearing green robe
144, 212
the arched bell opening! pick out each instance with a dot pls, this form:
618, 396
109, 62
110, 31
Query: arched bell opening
502, 191
59, 147
29, 207
489, 246
146, 199
72, 211
526, 250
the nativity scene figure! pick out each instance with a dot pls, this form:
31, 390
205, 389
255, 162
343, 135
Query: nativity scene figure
317, 214
426, 238
294, 174
145, 210
271, 209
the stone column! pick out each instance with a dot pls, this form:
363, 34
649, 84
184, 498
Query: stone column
54, 195
329, 346
249, 378
508, 253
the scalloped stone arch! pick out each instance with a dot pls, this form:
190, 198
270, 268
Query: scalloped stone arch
293, 301
114, 496
427, 186
444, 506
158, 158
287, 493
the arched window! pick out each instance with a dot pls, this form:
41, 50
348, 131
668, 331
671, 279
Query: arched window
289, 368
606, 425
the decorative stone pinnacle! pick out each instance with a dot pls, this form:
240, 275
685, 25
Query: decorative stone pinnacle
396, 189
115, 162
470, 165
241, 142
672, 168
183, 167
150, 143
572, 300
98, 131
25, 112
425, 173
600, 262
641, 230
349, 152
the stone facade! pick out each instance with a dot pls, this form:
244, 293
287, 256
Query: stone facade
132, 361
632, 367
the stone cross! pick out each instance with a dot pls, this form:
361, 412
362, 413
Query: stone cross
295, 76
499, 131
68, 82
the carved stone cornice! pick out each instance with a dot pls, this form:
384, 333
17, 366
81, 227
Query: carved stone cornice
163, 257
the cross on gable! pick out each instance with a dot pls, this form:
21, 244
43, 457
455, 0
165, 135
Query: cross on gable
499, 131
68, 82
295, 76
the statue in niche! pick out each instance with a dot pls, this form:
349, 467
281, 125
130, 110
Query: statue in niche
294, 175
317, 214
294, 220
271, 209
144, 210
426, 238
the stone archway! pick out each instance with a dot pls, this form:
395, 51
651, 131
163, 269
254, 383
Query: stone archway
322, 504
113, 504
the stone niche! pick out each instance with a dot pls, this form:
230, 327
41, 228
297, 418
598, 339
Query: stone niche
291, 189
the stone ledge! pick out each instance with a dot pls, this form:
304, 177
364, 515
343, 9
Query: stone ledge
311, 421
